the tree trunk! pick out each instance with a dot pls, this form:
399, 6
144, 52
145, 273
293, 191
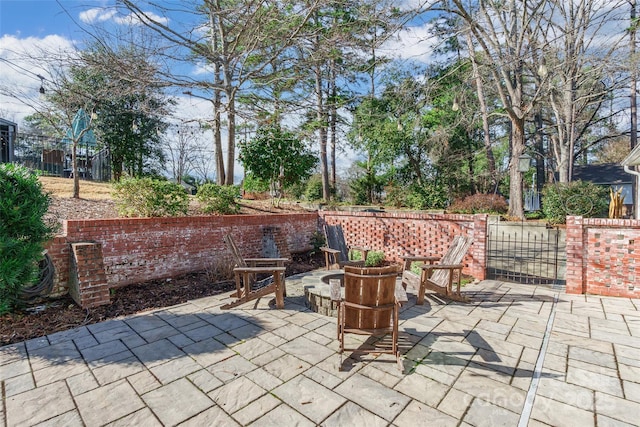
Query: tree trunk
334, 121
634, 76
74, 170
322, 134
491, 162
516, 207
231, 140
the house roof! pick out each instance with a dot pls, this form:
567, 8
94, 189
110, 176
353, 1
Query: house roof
633, 159
605, 173
7, 122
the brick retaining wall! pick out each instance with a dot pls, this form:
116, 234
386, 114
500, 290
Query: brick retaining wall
400, 234
135, 250
603, 256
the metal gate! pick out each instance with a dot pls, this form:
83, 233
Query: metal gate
526, 253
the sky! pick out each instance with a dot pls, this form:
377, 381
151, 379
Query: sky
27, 26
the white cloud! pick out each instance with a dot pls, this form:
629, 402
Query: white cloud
412, 43
132, 19
94, 15
20, 66
105, 15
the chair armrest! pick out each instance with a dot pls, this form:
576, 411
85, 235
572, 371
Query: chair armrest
442, 266
329, 250
400, 293
266, 262
420, 258
266, 259
274, 269
359, 248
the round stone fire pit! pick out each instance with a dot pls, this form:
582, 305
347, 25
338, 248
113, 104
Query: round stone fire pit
317, 294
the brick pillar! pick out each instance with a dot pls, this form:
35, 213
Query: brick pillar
87, 280
479, 247
575, 278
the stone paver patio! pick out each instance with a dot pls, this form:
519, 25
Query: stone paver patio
518, 355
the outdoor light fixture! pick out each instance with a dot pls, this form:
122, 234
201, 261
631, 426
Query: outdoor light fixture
41, 84
524, 162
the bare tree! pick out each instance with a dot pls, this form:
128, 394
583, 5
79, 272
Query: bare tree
501, 30
581, 51
183, 146
235, 39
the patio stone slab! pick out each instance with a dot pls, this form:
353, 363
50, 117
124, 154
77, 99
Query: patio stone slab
283, 415
556, 413
485, 414
39, 404
176, 402
108, 403
373, 396
309, 398
237, 394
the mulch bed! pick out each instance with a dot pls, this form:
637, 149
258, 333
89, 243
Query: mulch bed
51, 315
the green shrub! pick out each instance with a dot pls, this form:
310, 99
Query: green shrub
416, 267
428, 196
396, 196
23, 232
219, 199
146, 197
317, 241
574, 198
313, 191
374, 259
480, 203
355, 255
252, 184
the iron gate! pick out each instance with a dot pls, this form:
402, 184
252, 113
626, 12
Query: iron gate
526, 253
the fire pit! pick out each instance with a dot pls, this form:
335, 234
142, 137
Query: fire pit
317, 291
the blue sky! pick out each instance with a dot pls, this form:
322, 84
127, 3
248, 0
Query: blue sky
26, 18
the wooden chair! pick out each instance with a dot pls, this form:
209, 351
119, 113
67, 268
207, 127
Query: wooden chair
442, 276
337, 253
246, 273
370, 307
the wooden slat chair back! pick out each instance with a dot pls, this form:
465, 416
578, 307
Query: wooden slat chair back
235, 252
246, 272
369, 307
441, 276
337, 252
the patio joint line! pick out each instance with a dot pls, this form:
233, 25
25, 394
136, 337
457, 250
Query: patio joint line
537, 372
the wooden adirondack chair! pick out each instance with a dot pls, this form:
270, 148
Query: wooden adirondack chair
246, 272
440, 277
337, 253
370, 307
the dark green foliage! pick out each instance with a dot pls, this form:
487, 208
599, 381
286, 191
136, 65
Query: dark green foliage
278, 157
396, 196
253, 184
480, 203
317, 241
313, 191
23, 231
219, 199
428, 196
146, 197
374, 259
574, 198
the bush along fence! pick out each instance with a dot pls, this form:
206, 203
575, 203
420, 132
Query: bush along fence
92, 256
